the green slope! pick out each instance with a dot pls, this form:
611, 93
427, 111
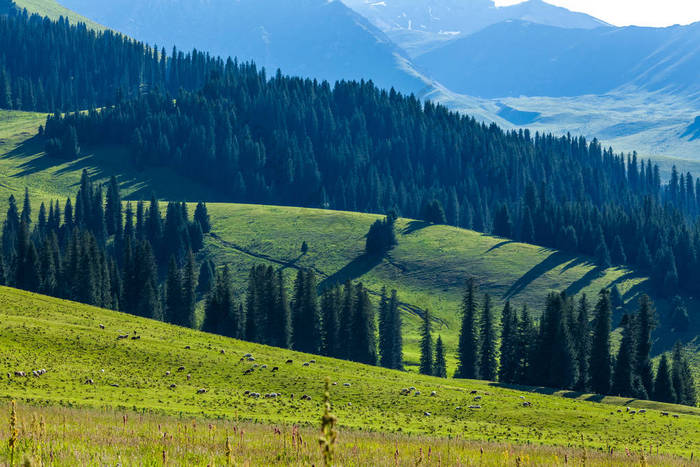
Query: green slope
54, 10
428, 267
66, 339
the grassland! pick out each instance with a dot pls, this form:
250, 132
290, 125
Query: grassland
428, 267
55, 10
130, 377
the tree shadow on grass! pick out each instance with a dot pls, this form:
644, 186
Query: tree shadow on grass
499, 245
549, 263
586, 280
415, 226
354, 269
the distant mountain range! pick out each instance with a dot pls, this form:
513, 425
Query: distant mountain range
420, 25
517, 58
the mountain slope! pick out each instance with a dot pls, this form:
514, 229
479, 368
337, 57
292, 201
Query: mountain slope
522, 58
310, 38
66, 339
419, 25
428, 267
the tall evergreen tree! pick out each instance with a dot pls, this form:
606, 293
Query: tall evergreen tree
488, 364
306, 322
440, 366
113, 208
663, 386
509, 345
468, 350
600, 345
645, 324
173, 289
426, 346
626, 380
221, 315
395, 327
189, 296
363, 329
583, 343
201, 216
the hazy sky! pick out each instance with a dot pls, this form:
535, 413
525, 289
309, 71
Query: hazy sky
626, 12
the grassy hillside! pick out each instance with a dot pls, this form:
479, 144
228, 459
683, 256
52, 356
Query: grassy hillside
66, 339
55, 10
428, 267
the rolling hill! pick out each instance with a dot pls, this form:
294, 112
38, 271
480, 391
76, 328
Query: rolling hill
428, 267
165, 369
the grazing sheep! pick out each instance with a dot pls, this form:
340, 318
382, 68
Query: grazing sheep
619, 410
255, 366
335, 383
306, 397
102, 326
241, 360
627, 409
222, 352
474, 406
477, 398
459, 407
89, 381
473, 392
135, 338
632, 412
312, 361
9, 376
248, 371
189, 376
349, 404
427, 414
289, 361
251, 359
201, 391
275, 368
433, 394
417, 393
167, 373
115, 385
173, 386
122, 336
246, 392
187, 347
675, 415
20, 373
35, 373
522, 397
248, 355
263, 366
182, 368
642, 411
412, 388
665, 414
347, 385
527, 404
306, 364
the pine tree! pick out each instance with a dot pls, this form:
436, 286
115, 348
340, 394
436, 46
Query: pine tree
602, 254
282, 325
645, 324
583, 344
618, 251
426, 346
220, 313
113, 208
600, 345
502, 225
468, 351
173, 290
385, 336
626, 381
201, 216
440, 366
363, 329
306, 321
206, 277
26, 216
488, 364
189, 296
524, 351
509, 345
395, 331
663, 386
346, 319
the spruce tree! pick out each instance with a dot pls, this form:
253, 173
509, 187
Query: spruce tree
189, 296
385, 335
220, 314
395, 327
526, 335
173, 290
440, 366
488, 364
468, 351
600, 345
113, 208
645, 324
663, 386
626, 380
306, 321
282, 325
26, 216
201, 216
206, 277
347, 317
426, 346
509, 345
363, 329
583, 343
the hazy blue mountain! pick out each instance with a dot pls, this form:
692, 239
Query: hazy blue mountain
517, 58
313, 38
419, 25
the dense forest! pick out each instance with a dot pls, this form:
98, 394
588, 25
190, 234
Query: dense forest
348, 146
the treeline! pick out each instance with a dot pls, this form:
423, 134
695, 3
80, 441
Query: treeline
91, 251
51, 66
341, 323
570, 348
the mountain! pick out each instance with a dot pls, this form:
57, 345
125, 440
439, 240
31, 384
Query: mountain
420, 25
517, 58
310, 38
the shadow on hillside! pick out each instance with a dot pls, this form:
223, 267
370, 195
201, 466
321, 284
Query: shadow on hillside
354, 269
415, 226
580, 261
549, 263
499, 245
586, 280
